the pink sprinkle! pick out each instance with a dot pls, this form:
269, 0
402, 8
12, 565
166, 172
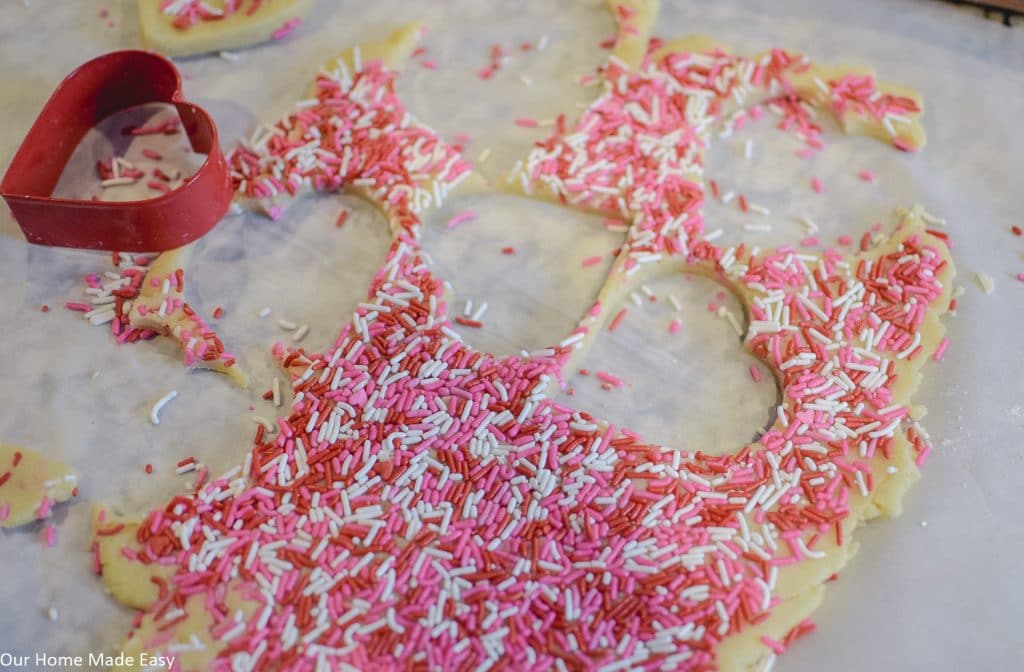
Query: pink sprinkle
526, 122
903, 145
712, 307
941, 350
151, 154
775, 645
462, 138
286, 28
816, 185
845, 240
867, 176
104, 13
275, 211
674, 326
805, 153
461, 218
756, 112
590, 261
755, 373
1020, 276
44, 508
609, 378
428, 64
51, 535
81, 307
158, 186
809, 241
923, 455
5, 511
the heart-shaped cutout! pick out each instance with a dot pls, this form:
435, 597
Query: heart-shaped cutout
94, 91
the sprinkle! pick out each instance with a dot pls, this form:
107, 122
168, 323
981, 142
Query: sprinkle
755, 373
508, 250
50, 534
229, 56
287, 325
152, 154
154, 412
617, 320
985, 282
300, 333
867, 176
286, 28
264, 312
218, 312
608, 378
461, 218
941, 349
590, 261
466, 322
525, 122
342, 216
52, 614
816, 185
149, 468
674, 326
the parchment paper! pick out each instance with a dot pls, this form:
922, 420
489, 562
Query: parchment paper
945, 596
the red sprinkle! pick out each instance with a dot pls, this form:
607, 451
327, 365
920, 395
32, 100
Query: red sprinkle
149, 468
466, 322
617, 320
218, 312
152, 154
508, 250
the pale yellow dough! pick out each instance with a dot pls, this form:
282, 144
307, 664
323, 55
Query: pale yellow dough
36, 477
800, 587
232, 32
151, 296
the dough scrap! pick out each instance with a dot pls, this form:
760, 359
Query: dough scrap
29, 481
233, 31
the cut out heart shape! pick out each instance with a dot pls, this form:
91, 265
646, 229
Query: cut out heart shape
100, 87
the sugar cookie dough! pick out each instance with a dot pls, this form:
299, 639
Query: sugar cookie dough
184, 27
30, 485
428, 505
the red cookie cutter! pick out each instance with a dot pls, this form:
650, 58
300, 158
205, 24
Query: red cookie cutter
105, 85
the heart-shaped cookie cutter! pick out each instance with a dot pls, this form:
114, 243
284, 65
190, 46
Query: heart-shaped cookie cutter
102, 86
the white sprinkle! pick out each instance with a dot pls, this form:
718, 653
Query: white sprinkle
267, 425
117, 182
52, 613
154, 413
277, 391
985, 282
264, 312
287, 324
229, 56
748, 149
484, 155
542, 43
300, 333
